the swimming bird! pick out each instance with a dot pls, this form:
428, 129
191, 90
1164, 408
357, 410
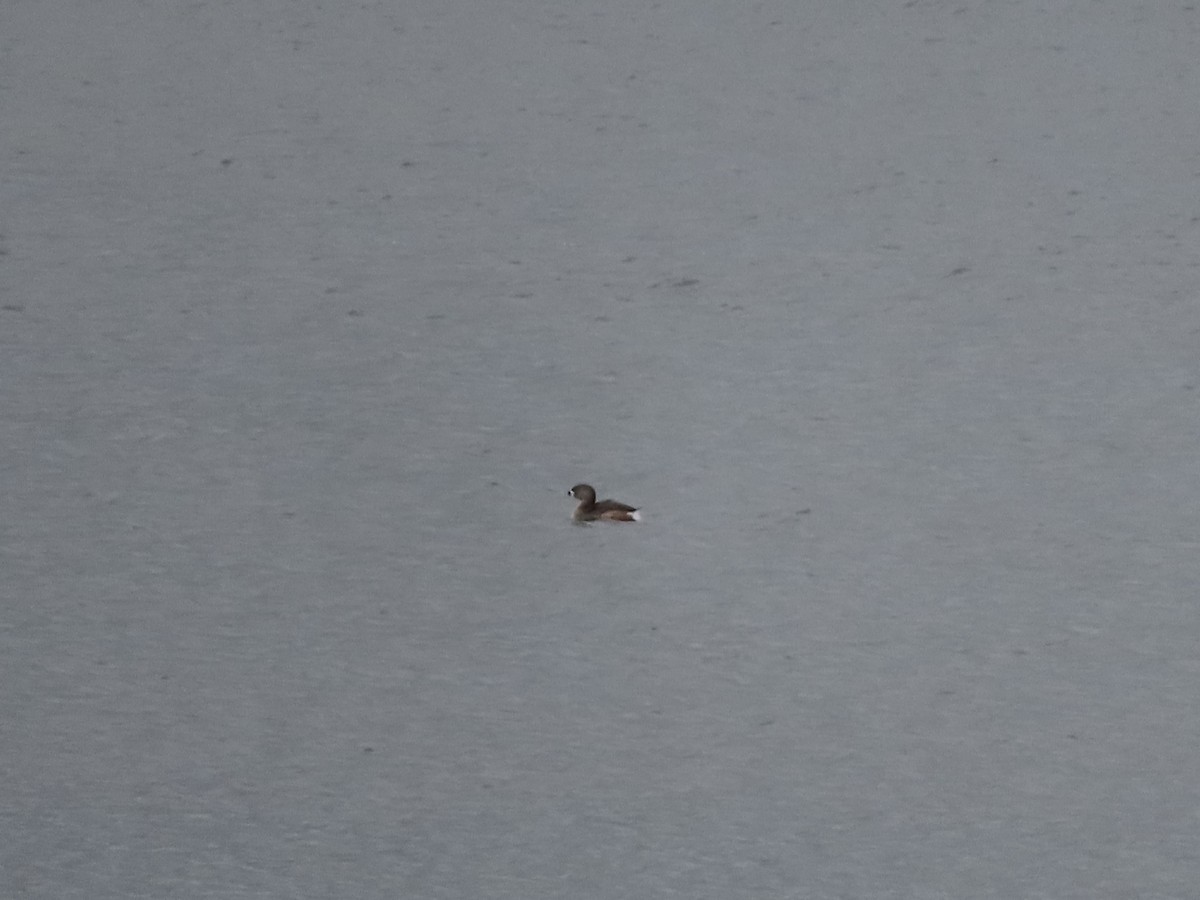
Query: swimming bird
589, 509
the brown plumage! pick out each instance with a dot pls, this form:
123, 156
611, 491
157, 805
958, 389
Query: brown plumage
589, 509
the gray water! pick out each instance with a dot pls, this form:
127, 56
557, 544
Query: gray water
884, 313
